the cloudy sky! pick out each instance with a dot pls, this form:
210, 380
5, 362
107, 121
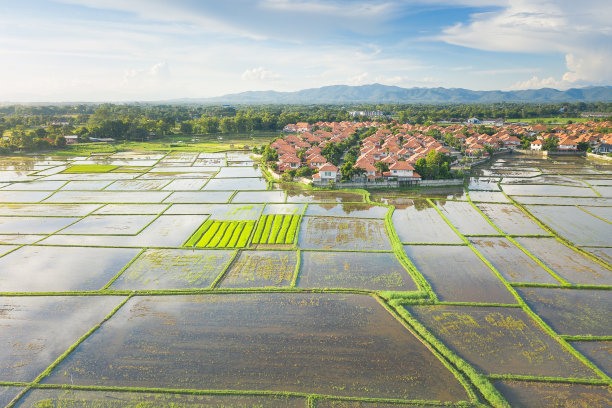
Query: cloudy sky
114, 50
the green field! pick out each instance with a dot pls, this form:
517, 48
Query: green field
276, 229
90, 168
221, 234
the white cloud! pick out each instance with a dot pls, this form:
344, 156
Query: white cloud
171, 12
259, 74
354, 9
580, 30
536, 83
157, 72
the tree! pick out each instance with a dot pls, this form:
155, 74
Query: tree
186, 128
583, 146
270, 155
381, 167
347, 170
60, 141
304, 172
550, 143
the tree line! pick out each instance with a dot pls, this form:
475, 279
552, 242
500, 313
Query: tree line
31, 127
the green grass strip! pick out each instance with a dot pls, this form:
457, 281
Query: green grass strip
282, 233
459, 367
596, 216
236, 235
209, 234
558, 236
221, 276
79, 341
259, 393
261, 223
404, 260
528, 310
123, 269
276, 226
227, 236
245, 235
198, 234
297, 268
537, 260
525, 251
587, 338
450, 224
216, 239
570, 380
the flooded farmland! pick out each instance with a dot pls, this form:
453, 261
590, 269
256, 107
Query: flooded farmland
189, 280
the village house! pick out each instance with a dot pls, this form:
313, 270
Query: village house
403, 171
327, 173
536, 145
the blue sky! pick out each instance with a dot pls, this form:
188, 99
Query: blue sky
116, 50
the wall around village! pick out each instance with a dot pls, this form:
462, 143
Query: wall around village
566, 153
543, 153
443, 182
599, 156
394, 184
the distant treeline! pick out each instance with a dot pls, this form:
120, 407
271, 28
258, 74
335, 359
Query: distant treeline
29, 126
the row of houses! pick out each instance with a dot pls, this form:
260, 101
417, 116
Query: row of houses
400, 146
569, 136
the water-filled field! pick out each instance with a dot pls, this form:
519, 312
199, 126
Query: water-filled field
189, 279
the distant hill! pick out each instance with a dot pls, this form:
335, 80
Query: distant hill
377, 93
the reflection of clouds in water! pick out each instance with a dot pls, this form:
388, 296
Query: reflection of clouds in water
36, 330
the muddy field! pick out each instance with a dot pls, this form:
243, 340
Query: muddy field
188, 280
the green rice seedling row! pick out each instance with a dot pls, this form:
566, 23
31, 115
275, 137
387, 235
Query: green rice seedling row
227, 236
276, 226
236, 235
281, 238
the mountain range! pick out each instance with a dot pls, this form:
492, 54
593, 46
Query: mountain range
377, 93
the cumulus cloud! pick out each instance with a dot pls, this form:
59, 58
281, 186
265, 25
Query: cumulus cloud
259, 74
158, 72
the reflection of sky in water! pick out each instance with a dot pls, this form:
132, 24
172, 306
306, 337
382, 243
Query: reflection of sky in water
228, 212
108, 197
43, 185
230, 172
137, 185
24, 196
253, 183
36, 330
55, 210
165, 231
325, 343
109, 225
40, 269
111, 209
347, 210
33, 225
259, 197
199, 197
7, 394
187, 184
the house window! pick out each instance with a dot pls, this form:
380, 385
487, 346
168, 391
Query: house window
327, 173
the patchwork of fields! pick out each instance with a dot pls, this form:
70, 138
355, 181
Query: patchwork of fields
187, 279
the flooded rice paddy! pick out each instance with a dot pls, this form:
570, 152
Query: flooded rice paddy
496, 293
